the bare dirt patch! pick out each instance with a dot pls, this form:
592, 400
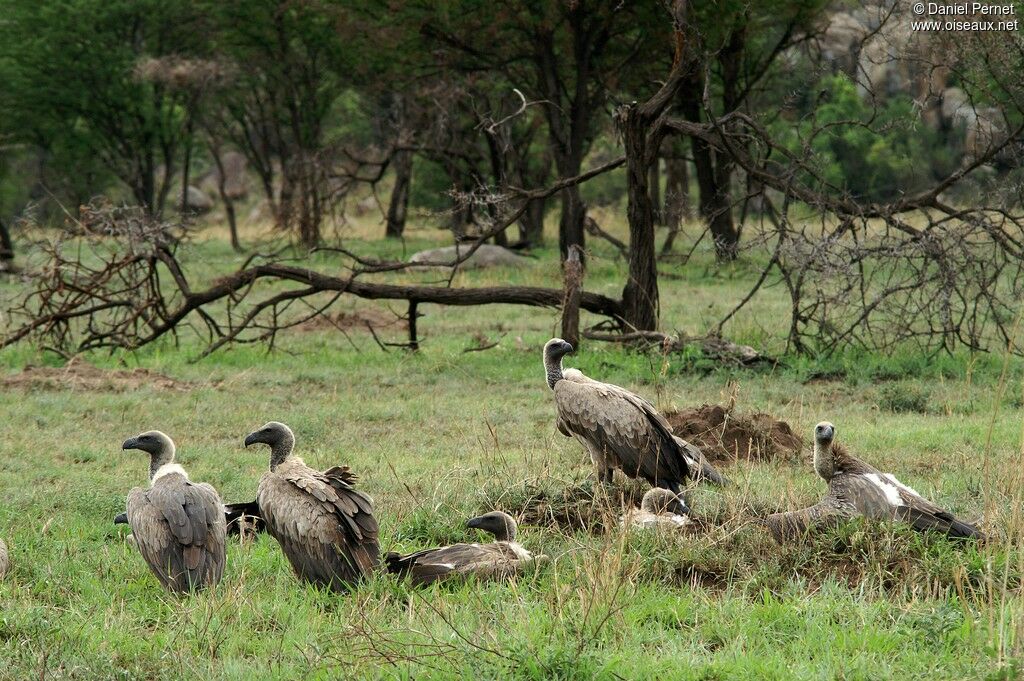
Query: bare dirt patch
356, 320
725, 435
79, 375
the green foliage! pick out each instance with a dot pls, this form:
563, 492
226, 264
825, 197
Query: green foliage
903, 398
875, 153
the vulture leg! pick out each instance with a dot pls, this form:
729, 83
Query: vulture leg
606, 475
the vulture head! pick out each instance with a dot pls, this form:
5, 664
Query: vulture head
501, 525
658, 501
159, 447
554, 350
278, 436
824, 434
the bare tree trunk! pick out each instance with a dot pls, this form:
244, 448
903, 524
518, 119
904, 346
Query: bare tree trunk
572, 270
570, 225
6, 249
654, 180
229, 205
677, 195
398, 206
640, 295
531, 225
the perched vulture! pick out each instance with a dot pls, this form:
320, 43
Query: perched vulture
504, 557
325, 526
5, 559
660, 509
178, 524
856, 488
619, 429
242, 518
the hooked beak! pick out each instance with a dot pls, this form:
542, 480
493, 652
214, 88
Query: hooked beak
121, 519
474, 523
130, 443
569, 349
251, 439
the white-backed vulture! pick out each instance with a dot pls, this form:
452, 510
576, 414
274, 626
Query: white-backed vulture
325, 526
856, 488
619, 429
660, 509
5, 559
504, 557
178, 524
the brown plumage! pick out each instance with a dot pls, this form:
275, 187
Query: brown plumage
619, 429
178, 525
325, 526
856, 488
504, 557
660, 509
5, 560
243, 518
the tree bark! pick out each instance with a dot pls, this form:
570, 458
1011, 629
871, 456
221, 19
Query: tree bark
531, 225
677, 194
572, 270
654, 180
640, 295
398, 206
6, 249
574, 212
229, 204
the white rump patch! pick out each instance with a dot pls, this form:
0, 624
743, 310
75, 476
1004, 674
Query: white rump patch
519, 550
890, 490
169, 469
893, 480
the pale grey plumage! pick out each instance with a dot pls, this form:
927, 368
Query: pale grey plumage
325, 526
5, 559
619, 429
178, 525
504, 557
855, 488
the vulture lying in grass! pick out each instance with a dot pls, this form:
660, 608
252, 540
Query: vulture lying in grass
619, 429
856, 488
242, 518
178, 524
504, 557
5, 559
660, 509
325, 526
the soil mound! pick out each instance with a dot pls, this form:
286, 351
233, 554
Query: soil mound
725, 435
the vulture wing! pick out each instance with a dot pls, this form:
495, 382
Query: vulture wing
484, 561
625, 428
833, 508
179, 528
696, 461
903, 503
325, 527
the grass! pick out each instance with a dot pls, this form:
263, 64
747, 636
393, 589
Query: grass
442, 434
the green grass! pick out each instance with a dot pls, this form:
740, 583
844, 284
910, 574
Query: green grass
441, 434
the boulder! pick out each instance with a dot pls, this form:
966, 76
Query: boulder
198, 201
488, 255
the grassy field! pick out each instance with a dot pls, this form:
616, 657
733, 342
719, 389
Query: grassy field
443, 434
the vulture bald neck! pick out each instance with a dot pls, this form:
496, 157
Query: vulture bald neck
159, 446
554, 350
280, 438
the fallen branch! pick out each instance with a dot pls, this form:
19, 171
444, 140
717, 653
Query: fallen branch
713, 347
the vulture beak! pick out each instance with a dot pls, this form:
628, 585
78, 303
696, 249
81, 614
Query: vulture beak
130, 443
250, 439
474, 523
121, 519
567, 346
824, 433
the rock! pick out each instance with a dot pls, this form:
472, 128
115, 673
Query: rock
236, 179
198, 201
487, 255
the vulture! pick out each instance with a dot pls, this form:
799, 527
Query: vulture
856, 488
242, 518
619, 429
325, 526
504, 557
660, 509
5, 559
178, 524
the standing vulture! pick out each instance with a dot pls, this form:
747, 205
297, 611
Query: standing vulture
5, 560
856, 488
243, 518
178, 524
619, 429
325, 526
504, 557
660, 509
